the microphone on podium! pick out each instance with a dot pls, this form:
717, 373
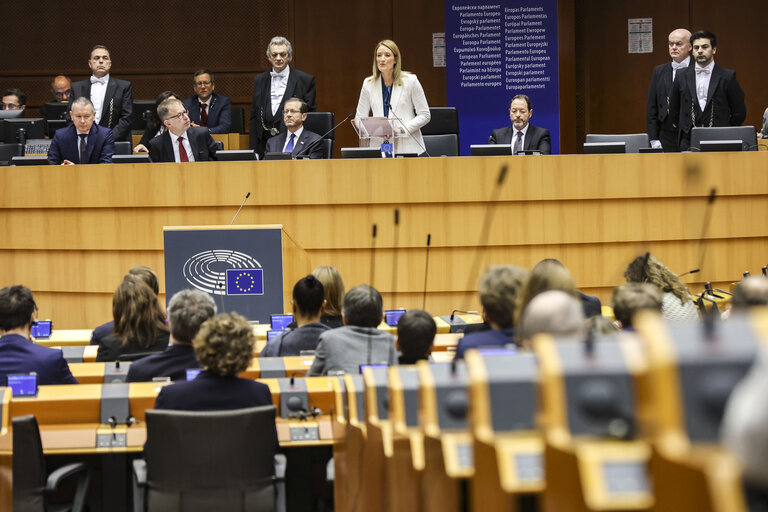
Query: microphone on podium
241, 207
373, 255
426, 273
306, 149
389, 105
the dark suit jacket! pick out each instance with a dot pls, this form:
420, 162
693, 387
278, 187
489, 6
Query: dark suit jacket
101, 332
300, 147
210, 392
725, 101
591, 305
111, 347
300, 85
489, 338
19, 355
118, 105
536, 138
173, 362
203, 146
219, 113
66, 146
658, 124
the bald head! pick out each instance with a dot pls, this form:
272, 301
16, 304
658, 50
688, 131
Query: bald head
61, 88
750, 292
553, 312
679, 44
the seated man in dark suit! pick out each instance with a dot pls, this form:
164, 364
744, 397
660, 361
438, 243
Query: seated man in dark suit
112, 98
415, 336
522, 135
14, 99
308, 306
18, 353
224, 346
187, 310
296, 140
83, 142
499, 288
180, 142
206, 108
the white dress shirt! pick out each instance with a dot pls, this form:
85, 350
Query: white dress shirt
682, 65
185, 142
514, 137
295, 140
98, 91
277, 89
702, 83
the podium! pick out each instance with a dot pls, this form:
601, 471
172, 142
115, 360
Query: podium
375, 131
247, 269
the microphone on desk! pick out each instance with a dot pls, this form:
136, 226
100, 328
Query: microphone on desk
241, 207
705, 225
394, 258
373, 254
453, 313
485, 233
692, 271
306, 149
426, 273
389, 106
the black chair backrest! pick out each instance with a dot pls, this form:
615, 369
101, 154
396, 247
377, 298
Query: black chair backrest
139, 117
8, 151
135, 356
221, 460
238, 120
442, 120
320, 123
29, 472
633, 141
442, 145
327, 148
122, 147
54, 110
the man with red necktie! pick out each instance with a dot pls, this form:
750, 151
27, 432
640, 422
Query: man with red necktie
180, 142
207, 108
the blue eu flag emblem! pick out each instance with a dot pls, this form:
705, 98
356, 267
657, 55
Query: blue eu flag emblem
245, 281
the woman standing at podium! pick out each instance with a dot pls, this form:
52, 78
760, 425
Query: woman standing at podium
396, 94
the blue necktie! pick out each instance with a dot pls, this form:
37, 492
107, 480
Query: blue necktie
289, 147
83, 148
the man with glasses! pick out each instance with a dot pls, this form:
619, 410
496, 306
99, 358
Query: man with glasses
272, 88
659, 125
61, 88
295, 139
180, 142
14, 99
208, 108
82, 142
112, 98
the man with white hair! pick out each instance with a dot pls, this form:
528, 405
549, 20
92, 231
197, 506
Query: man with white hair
553, 312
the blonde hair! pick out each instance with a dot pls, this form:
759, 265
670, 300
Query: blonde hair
333, 286
546, 275
397, 72
224, 344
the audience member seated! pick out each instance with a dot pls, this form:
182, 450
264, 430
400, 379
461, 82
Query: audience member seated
207, 108
14, 99
144, 273
187, 310
522, 135
156, 127
296, 139
748, 293
676, 303
499, 289
333, 285
553, 312
308, 303
415, 336
61, 89
18, 353
82, 142
630, 298
592, 306
224, 346
546, 275
359, 341
139, 322
180, 142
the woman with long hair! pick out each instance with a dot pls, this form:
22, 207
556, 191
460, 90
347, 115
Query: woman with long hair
676, 303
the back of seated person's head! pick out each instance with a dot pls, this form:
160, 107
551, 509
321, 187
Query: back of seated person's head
750, 292
187, 310
308, 296
554, 312
362, 307
136, 312
648, 269
546, 275
630, 298
415, 334
333, 286
17, 305
499, 289
224, 344
147, 275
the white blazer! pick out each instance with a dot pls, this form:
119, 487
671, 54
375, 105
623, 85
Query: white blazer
408, 102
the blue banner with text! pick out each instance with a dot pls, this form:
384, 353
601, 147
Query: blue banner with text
497, 51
